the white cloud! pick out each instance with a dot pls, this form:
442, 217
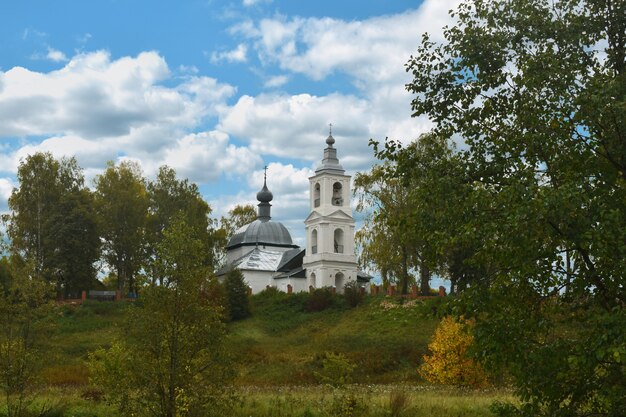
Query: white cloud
249, 3
276, 81
6, 188
372, 51
93, 96
203, 157
99, 109
238, 54
55, 55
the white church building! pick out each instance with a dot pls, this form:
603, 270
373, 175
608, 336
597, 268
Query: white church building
264, 251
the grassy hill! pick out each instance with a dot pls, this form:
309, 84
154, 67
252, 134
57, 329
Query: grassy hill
281, 344
278, 353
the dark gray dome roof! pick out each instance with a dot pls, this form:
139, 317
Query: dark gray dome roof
262, 232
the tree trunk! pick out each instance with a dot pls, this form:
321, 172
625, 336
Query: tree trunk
424, 279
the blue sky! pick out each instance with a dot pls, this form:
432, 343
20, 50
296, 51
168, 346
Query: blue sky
214, 88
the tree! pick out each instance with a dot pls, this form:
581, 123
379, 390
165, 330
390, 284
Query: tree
122, 207
236, 295
24, 303
171, 197
238, 216
450, 362
170, 360
382, 239
536, 90
436, 191
52, 222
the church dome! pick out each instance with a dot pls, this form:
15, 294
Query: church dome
261, 232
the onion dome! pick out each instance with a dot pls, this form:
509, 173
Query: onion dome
263, 231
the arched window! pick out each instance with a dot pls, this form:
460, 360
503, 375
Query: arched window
340, 282
312, 280
337, 199
314, 241
338, 241
316, 195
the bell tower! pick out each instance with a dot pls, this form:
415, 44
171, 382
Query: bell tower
330, 260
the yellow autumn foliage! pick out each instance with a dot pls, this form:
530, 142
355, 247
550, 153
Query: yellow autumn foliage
449, 362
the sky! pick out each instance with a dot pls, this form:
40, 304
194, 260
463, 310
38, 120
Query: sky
216, 89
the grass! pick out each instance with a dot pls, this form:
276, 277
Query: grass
281, 344
309, 401
278, 352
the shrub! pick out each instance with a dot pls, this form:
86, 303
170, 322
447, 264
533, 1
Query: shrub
320, 300
449, 362
352, 294
336, 369
236, 295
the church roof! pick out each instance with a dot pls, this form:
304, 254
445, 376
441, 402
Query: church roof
259, 260
263, 231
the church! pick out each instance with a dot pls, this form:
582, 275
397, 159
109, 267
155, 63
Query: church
266, 255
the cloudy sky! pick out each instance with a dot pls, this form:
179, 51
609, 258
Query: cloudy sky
213, 88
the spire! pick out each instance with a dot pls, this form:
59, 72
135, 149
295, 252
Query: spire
264, 196
330, 161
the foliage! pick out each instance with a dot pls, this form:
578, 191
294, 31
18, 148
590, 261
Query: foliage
238, 216
384, 243
236, 295
122, 205
536, 91
320, 299
53, 224
336, 370
170, 197
449, 362
171, 360
24, 303
352, 294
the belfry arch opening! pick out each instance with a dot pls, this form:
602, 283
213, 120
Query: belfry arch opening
314, 241
337, 199
316, 195
338, 241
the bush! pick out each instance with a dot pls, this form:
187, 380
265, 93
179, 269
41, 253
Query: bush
352, 294
320, 300
236, 295
449, 363
336, 369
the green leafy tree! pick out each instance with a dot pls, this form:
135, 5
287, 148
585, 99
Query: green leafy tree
170, 360
236, 295
52, 223
24, 304
238, 216
536, 90
384, 244
171, 197
122, 206
436, 190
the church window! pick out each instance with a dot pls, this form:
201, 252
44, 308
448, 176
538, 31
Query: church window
339, 281
337, 199
314, 241
338, 241
316, 195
